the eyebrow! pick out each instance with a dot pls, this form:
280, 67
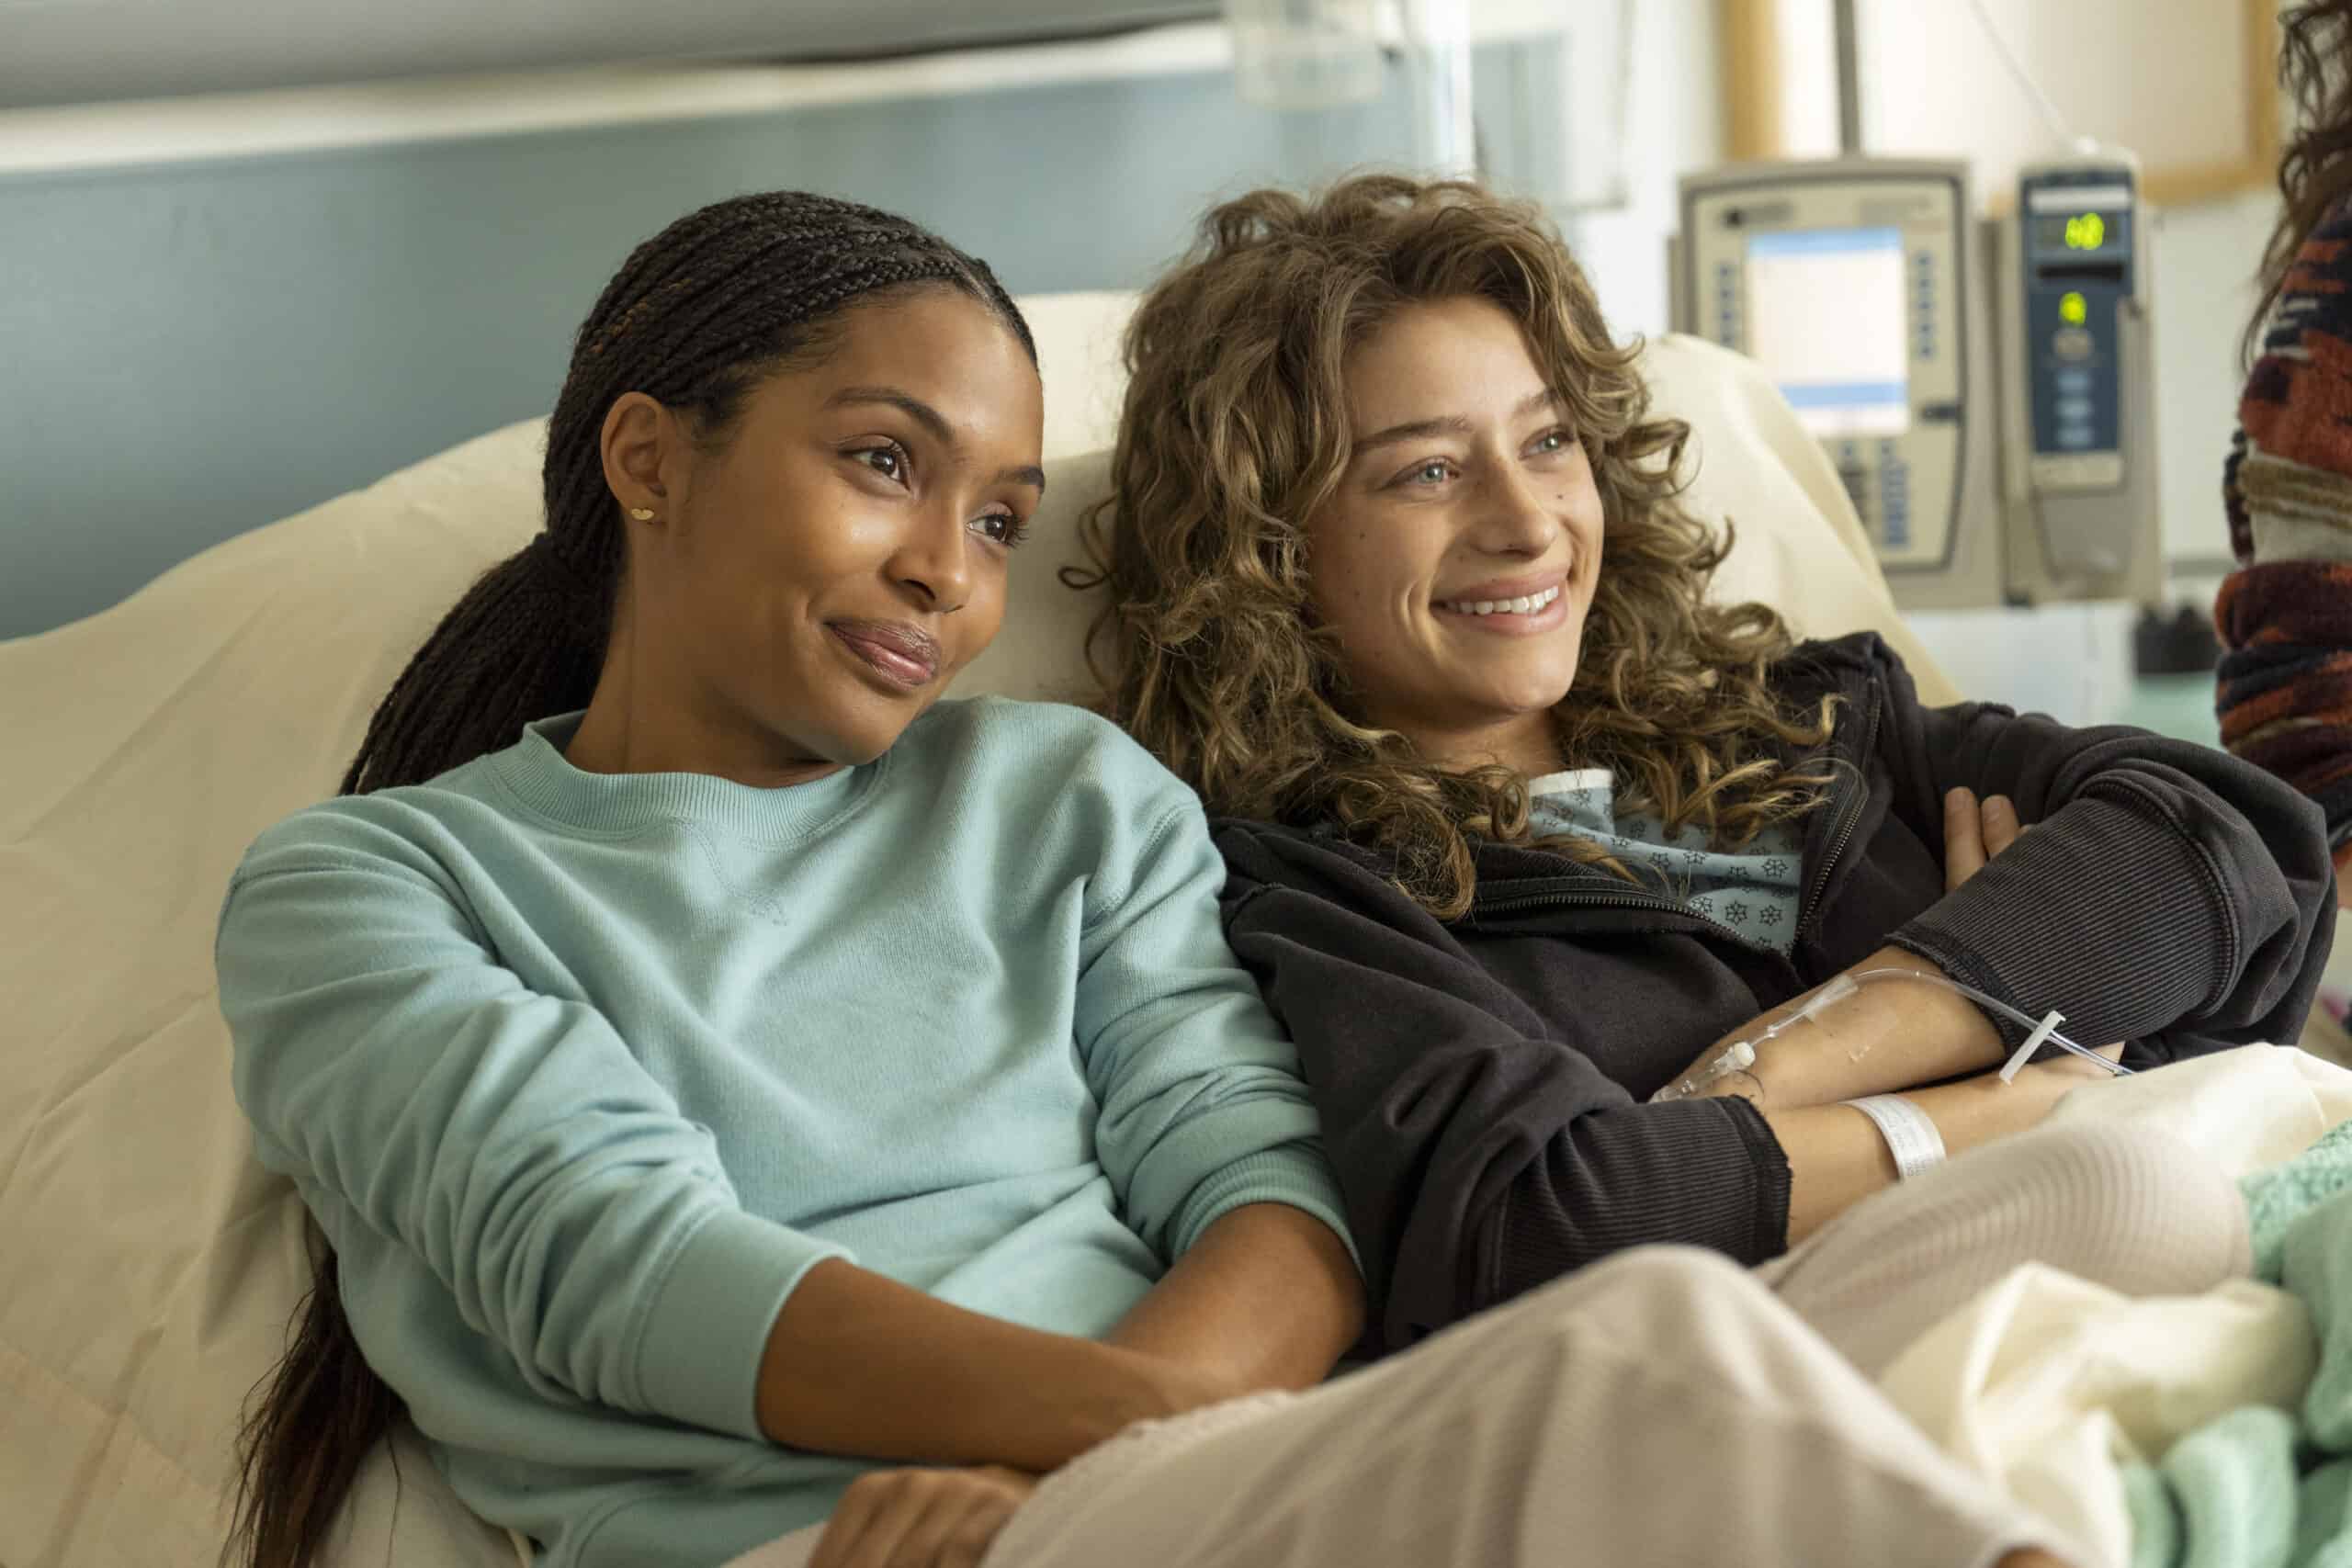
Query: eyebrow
1414, 430
932, 420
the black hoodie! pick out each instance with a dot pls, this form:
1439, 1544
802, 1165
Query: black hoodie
1482, 1081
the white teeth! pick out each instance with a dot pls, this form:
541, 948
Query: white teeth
1525, 605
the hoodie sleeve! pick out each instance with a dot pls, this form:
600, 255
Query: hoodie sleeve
1480, 1154
2169, 893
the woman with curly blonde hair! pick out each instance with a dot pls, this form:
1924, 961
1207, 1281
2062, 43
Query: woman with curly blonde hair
1520, 826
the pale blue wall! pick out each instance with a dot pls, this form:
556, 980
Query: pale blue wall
189, 351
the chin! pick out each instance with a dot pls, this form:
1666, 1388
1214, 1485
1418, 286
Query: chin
1519, 698
858, 745
863, 735
1524, 706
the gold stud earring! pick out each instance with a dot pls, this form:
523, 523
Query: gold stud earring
643, 514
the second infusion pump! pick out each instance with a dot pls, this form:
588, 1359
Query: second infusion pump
1981, 390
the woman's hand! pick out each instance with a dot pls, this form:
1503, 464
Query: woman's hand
1972, 835
1974, 831
921, 1518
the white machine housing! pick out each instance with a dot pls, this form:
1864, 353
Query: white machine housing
2078, 489
1868, 291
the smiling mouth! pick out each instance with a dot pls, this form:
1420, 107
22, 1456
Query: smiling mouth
1528, 605
905, 657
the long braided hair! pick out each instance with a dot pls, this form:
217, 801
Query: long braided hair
698, 316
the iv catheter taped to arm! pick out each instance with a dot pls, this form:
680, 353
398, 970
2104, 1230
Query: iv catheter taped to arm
1740, 1055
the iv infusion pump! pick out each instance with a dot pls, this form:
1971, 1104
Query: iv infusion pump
1981, 386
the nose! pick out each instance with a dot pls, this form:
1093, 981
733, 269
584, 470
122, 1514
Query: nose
933, 561
1512, 518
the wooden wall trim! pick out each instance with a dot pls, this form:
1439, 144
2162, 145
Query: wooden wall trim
1750, 34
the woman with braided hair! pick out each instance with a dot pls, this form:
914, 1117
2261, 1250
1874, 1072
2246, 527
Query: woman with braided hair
753, 1106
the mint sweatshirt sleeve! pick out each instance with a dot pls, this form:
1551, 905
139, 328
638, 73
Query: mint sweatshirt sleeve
424, 1099
1202, 1106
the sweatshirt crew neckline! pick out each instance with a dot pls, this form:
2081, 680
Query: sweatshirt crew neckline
542, 780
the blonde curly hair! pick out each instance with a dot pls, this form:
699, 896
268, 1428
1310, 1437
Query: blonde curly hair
1235, 433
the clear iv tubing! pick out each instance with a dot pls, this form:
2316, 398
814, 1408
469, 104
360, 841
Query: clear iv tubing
1740, 1055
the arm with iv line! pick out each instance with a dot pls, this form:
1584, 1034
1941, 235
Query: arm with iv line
1820, 1048
2172, 897
1483, 1148
1836, 1157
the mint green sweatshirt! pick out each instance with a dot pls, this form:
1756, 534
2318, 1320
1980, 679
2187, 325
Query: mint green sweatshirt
582, 1072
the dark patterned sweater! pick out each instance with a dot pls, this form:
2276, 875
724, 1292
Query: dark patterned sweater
2285, 616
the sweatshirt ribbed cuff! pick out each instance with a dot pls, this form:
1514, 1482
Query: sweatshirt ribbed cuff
1295, 1175
2056, 917
699, 1352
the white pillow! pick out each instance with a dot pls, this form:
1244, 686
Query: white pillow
152, 1265
1799, 546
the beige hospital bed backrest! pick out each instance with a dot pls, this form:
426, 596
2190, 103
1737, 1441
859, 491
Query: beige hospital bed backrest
151, 1263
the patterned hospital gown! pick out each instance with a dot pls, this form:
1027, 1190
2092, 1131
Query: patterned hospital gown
1755, 893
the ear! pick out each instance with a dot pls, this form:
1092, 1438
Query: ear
642, 445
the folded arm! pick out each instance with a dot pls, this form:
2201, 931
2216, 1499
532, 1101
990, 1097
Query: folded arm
426, 1102
1836, 1155
2169, 896
1886, 1034
1481, 1150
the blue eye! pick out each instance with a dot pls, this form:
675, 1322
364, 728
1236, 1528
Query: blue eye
1430, 473
1553, 441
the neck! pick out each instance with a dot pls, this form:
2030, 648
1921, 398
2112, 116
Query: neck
1526, 743
637, 725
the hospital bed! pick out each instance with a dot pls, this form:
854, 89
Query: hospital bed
147, 1264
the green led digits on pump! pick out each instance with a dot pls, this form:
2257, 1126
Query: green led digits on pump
2073, 308
2086, 232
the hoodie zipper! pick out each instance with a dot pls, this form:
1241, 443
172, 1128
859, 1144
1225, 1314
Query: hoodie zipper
1846, 830
1599, 900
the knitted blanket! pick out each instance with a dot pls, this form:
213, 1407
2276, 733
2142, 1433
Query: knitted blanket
2259, 1488
2284, 692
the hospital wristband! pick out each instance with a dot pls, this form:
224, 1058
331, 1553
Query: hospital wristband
1911, 1137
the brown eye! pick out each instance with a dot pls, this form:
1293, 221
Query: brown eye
890, 462
1001, 528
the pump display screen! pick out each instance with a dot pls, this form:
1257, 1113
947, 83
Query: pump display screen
2079, 232
1828, 321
